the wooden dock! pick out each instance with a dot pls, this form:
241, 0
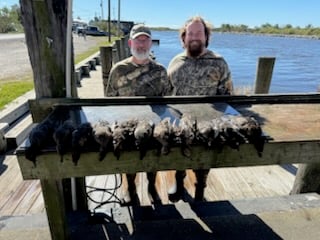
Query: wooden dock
20, 197
24, 197
223, 184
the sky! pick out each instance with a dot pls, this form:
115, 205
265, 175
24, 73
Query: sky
173, 13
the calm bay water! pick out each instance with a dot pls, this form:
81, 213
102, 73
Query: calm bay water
297, 64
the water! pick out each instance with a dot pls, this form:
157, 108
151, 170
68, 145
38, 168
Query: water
297, 64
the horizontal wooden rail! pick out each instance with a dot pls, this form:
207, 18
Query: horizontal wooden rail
40, 108
49, 166
241, 99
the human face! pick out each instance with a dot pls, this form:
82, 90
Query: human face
140, 47
195, 39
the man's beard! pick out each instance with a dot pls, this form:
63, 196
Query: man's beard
140, 54
195, 48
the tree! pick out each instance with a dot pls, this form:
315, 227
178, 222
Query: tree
45, 25
244, 28
4, 19
226, 27
9, 19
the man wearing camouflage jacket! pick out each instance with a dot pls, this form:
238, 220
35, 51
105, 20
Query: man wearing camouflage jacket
197, 71
139, 75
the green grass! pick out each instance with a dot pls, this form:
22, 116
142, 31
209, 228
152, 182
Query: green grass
92, 50
85, 55
14, 89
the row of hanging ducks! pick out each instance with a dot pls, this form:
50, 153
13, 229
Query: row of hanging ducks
144, 135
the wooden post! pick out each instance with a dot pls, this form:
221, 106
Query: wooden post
123, 46
92, 64
47, 48
47, 51
77, 77
97, 60
82, 202
264, 74
127, 49
115, 55
3, 142
307, 179
118, 47
85, 70
106, 63
55, 208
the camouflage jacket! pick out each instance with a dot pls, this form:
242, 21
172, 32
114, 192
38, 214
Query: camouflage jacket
208, 74
129, 79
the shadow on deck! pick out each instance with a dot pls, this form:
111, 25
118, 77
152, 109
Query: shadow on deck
242, 219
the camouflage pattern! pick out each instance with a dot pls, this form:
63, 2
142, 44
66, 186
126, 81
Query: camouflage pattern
208, 74
129, 79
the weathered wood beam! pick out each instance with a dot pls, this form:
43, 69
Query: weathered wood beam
54, 203
45, 24
40, 108
239, 99
307, 179
49, 165
264, 74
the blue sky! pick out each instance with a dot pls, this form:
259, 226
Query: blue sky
173, 13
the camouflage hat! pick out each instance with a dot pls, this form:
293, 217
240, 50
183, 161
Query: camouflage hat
138, 30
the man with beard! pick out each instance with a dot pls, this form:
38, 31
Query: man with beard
139, 75
197, 71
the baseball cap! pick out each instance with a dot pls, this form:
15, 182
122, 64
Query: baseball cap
138, 30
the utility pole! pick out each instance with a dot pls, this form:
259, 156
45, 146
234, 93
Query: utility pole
101, 5
109, 28
118, 18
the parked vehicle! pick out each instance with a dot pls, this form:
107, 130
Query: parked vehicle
94, 31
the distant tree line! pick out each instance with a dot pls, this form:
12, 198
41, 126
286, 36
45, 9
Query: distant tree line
267, 28
10, 22
103, 25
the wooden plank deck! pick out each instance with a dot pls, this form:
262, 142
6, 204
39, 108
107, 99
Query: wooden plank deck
18, 196
223, 184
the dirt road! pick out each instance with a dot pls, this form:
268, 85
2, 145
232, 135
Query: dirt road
14, 57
